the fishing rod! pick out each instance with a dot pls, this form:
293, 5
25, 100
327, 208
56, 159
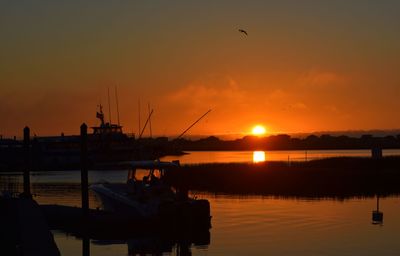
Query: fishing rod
183, 133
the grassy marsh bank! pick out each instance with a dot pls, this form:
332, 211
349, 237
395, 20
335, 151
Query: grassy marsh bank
332, 177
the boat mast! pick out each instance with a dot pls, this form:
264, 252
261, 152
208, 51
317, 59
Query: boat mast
109, 105
151, 133
139, 114
116, 100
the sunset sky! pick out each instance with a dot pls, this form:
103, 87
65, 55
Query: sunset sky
318, 65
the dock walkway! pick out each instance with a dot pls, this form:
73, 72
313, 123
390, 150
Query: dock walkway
24, 230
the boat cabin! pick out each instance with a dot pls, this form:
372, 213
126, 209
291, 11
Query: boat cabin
105, 128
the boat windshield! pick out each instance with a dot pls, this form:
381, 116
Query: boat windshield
149, 170
143, 174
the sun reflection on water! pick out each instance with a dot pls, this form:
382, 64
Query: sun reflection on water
258, 156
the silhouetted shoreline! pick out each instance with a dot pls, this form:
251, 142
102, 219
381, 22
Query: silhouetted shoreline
62, 153
286, 142
338, 178
332, 177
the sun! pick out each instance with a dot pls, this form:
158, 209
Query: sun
258, 130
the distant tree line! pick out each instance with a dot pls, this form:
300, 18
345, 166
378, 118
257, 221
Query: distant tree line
286, 142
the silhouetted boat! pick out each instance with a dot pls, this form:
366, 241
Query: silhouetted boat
107, 144
146, 194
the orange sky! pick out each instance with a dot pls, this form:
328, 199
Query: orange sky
303, 68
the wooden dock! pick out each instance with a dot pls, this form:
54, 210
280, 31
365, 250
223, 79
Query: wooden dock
99, 224
24, 229
25, 224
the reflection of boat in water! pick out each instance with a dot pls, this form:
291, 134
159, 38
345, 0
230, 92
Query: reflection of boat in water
146, 194
145, 213
161, 244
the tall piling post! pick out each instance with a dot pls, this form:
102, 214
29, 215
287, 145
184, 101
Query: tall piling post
27, 158
84, 170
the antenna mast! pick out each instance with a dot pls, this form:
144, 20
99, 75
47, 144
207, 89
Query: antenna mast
116, 99
109, 105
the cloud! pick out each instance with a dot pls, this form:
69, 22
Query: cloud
277, 94
321, 78
332, 108
299, 105
209, 93
230, 105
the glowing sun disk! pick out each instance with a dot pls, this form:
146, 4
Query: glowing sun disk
258, 130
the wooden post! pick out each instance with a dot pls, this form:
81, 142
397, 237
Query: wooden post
85, 246
84, 170
27, 183
377, 203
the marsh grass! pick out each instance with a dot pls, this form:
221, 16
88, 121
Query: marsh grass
331, 177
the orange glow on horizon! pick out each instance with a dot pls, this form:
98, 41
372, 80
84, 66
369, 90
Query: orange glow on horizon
246, 80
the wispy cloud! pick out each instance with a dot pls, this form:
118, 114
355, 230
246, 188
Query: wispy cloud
321, 78
299, 105
210, 93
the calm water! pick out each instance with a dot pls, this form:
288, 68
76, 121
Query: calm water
244, 225
283, 155
267, 226
256, 225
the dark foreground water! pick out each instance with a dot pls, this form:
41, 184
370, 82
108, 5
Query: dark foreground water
242, 225
266, 226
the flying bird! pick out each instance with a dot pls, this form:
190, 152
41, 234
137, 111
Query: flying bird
243, 31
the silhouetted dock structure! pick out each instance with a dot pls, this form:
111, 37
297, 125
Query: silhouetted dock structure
24, 229
99, 224
26, 225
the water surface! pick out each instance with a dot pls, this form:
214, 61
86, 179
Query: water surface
256, 225
280, 155
242, 225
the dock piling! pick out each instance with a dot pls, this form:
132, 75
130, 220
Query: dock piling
27, 156
84, 170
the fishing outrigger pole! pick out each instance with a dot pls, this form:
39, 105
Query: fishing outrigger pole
183, 133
